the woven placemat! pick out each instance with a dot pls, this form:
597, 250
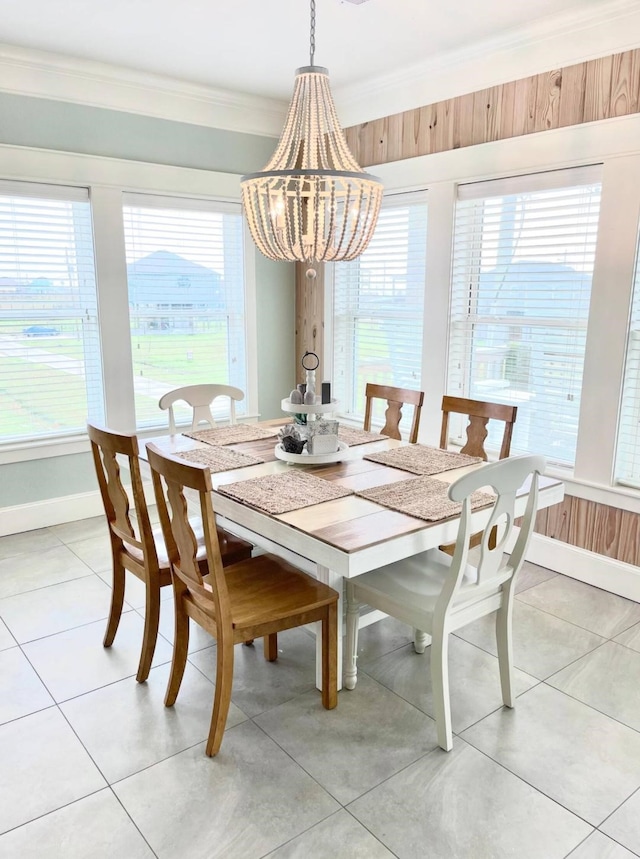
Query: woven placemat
219, 458
282, 493
420, 459
422, 497
230, 435
352, 436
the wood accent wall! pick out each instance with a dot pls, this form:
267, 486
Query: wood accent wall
599, 528
586, 92
589, 91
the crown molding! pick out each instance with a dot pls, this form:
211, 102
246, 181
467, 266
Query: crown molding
554, 42
53, 76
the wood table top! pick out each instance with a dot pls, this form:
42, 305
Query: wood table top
346, 525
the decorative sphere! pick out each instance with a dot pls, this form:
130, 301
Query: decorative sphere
311, 274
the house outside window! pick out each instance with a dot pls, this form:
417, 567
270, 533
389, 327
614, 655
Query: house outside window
185, 273
522, 267
50, 373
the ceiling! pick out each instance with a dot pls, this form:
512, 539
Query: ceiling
254, 46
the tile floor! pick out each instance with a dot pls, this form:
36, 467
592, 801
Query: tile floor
92, 764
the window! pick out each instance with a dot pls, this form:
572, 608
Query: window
50, 373
185, 272
521, 283
378, 307
628, 453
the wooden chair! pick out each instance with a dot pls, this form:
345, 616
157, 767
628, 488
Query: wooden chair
142, 550
200, 398
479, 413
396, 398
255, 598
439, 594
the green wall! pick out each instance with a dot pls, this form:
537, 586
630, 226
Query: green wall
275, 288
48, 124
40, 479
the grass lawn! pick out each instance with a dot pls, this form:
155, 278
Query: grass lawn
161, 360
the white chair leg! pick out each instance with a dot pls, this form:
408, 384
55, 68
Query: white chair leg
440, 686
350, 677
504, 640
420, 640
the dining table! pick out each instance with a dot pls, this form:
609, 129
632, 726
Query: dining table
339, 537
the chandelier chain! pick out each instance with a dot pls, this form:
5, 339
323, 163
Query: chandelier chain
312, 40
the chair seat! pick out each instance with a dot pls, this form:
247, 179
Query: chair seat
269, 589
416, 581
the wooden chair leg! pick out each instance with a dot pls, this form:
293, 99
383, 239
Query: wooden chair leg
222, 697
151, 622
440, 687
271, 647
330, 658
350, 676
180, 650
117, 598
504, 640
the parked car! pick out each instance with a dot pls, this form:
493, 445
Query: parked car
40, 331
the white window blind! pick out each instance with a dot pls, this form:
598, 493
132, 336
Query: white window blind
185, 271
50, 372
378, 307
521, 283
628, 451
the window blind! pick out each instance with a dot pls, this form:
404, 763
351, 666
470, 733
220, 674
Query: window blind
378, 308
522, 267
50, 373
185, 272
627, 469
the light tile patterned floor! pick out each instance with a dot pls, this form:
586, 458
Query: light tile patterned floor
93, 765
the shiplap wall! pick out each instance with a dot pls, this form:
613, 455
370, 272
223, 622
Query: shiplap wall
594, 90
590, 91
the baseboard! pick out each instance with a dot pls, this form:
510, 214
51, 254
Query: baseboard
598, 570
52, 511
56, 511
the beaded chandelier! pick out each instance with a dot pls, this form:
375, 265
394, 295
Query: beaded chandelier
312, 202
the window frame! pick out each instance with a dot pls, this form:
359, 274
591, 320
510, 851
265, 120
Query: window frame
107, 179
391, 200
85, 306
150, 202
612, 143
475, 203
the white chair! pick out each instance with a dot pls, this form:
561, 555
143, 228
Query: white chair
200, 398
439, 594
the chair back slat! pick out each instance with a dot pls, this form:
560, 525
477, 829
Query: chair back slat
479, 413
171, 477
200, 398
106, 447
396, 398
505, 477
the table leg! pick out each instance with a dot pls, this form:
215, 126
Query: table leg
336, 581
